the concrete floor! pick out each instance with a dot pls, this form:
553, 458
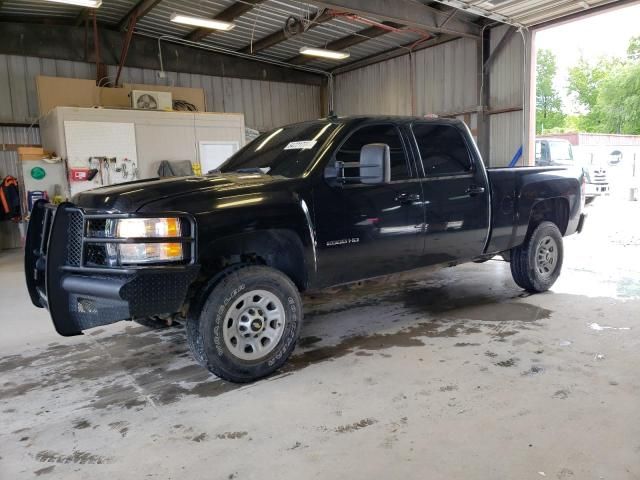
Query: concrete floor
455, 374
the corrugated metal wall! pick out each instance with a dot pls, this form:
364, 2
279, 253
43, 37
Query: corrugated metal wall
446, 78
9, 234
506, 137
380, 88
506, 92
265, 104
445, 83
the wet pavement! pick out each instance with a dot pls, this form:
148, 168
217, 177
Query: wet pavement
449, 374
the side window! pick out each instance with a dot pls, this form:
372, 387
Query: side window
442, 148
389, 134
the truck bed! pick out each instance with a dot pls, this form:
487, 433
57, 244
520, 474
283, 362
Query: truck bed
510, 211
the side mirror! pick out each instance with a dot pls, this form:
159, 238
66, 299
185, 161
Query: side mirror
374, 166
375, 163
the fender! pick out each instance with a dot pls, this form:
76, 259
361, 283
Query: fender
271, 227
536, 189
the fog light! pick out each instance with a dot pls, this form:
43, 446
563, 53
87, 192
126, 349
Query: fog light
86, 306
131, 253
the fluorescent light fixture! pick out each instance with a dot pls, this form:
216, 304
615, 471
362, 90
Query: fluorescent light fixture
80, 3
201, 22
324, 53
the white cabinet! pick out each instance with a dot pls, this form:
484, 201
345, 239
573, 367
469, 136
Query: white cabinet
138, 140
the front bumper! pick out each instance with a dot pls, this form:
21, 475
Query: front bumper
596, 189
79, 296
583, 217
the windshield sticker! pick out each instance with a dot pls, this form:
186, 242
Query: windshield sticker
302, 145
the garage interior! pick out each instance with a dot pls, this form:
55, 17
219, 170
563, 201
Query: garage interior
453, 373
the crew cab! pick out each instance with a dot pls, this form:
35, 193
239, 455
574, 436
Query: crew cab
301, 207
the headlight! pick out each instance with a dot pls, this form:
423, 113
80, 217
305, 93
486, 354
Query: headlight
146, 252
147, 227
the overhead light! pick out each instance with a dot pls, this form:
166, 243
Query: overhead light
80, 3
324, 53
201, 22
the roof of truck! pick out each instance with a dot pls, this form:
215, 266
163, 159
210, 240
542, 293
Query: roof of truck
400, 119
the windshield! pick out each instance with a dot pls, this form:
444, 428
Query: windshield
286, 151
560, 151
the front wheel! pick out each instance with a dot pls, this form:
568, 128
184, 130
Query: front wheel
536, 264
248, 324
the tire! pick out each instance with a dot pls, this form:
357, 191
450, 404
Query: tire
192, 325
537, 263
246, 323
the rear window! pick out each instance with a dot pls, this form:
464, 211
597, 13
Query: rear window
442, 148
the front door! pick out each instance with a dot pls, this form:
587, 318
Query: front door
369, 230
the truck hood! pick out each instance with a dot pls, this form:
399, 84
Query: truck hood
131, 196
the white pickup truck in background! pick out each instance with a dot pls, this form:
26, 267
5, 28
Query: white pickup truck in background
558, 152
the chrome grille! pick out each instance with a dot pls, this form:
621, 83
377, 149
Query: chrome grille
599, 175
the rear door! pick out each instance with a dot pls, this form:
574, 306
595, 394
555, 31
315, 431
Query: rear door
368, 230
456, 194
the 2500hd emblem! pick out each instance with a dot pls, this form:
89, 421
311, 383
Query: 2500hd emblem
342, 241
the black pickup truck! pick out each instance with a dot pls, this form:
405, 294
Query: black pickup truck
301, 207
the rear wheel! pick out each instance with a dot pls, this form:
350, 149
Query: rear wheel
536, 264
247, 324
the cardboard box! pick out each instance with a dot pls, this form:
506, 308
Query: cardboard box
32, 153
74, 92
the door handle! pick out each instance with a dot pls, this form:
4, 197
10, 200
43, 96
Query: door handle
405, 198
474, 190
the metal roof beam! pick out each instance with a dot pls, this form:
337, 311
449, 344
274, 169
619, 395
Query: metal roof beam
229, 14
35, 19
140, 9
482, 12
82, 16
65, 42
281, 36
406, 12
349, 41
501, 44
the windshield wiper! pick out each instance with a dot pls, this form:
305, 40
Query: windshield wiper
263, 170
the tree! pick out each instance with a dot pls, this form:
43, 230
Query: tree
585, 82
548, 103
633, 50
619, 100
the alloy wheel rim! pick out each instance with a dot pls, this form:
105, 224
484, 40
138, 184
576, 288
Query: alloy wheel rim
254, 325
546, 257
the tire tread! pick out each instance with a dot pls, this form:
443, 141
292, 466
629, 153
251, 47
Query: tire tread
522, 271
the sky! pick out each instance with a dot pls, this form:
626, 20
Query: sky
606, 34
